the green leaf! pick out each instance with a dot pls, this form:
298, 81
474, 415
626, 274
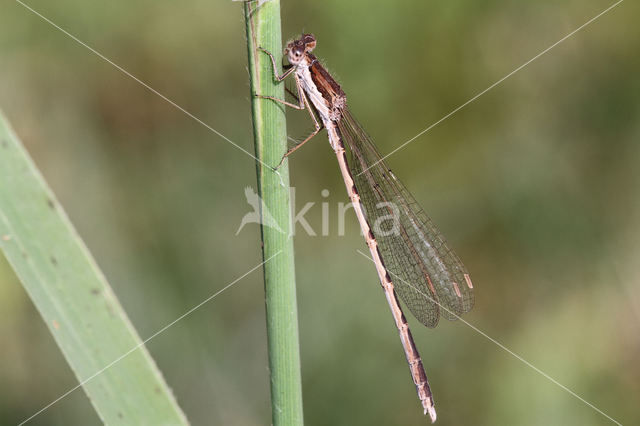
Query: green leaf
74, 298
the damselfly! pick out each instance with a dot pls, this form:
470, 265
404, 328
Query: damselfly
411, 256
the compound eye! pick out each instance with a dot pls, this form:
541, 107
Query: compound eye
310, 42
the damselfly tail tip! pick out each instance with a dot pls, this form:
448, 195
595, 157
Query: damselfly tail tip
431, 410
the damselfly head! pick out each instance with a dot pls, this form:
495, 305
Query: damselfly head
296, 49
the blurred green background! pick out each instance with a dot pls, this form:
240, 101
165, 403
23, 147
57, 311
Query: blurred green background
536, 184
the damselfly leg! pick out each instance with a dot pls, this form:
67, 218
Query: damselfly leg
303, 103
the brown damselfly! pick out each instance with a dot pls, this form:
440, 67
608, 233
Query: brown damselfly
411, 256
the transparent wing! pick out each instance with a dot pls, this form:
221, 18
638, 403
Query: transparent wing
427, 274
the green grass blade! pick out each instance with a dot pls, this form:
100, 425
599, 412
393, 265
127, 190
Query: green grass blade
270, 132
74, 299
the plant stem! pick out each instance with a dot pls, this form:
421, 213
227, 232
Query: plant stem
269, 127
